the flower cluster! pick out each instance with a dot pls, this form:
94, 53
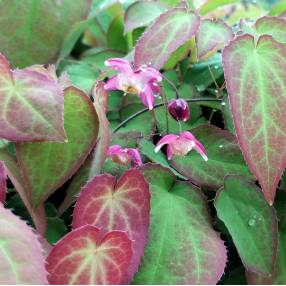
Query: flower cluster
144, 83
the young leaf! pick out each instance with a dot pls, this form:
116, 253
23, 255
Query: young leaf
248, 218
124, 206
21, 259
31, 105
84, 257
224, 157
171, 30
47, 165
255, 73
141, 13
278, 276
212, 36
36, 36
182, 246
2, 183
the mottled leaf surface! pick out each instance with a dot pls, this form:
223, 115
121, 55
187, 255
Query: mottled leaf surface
47, 165
2, 182
122, 205
21, 259
31, 105
248, 218
212, 35
32, 31
171, 30
224, 157
258, 105
182, 246
83, 256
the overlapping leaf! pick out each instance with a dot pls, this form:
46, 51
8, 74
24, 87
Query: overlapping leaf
85, 257
2, 183
21, 260
47, 165
224, 158
141, 13
124, 205
33, 31
255, 73
211, 36
171, 30
182, 246
31, 105
248, 218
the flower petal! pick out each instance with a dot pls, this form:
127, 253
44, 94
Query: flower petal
148, 74
119, 64
114, 149
187, 135
200, 149
167, 139
147, 97
169, 153
135, 156
112, 83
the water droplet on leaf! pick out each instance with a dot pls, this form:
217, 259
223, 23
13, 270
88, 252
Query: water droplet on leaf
252, 222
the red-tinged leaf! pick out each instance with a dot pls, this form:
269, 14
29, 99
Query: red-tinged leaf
255, 73
84, 257
124, 206
48, 165
2, 183
21, 259
33, 31
13, 172
274, 26
171, 30
31, 105
212, 36
100, 103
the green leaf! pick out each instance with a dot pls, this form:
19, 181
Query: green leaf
278, 9
56, 229
255, 73
212, 5
47, 165
227, 117
278, 276
248, 218
224, 157
33, 31
182, 247
168, 32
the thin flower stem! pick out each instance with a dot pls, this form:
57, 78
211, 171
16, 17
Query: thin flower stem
180, 126
159, 105
172, 85
213, 77
166, 110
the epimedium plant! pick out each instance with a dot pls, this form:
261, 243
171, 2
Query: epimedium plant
142, 142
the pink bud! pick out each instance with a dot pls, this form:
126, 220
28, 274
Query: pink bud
179, 109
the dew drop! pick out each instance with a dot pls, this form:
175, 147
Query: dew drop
216, 67
220, 146
252, 222
223, 103
200, 87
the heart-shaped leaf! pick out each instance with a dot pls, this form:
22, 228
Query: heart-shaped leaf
212, 35
258, 105
182, 246
47, 165
124, 206
224, 158
31, 105
171, 30
2, 183
33, 31
248, 218
83, 256
21, 259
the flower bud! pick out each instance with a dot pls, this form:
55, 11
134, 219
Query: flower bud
179, 109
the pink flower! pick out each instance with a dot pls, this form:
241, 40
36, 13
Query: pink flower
179, 109
143, 81
181, 145
124, 156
